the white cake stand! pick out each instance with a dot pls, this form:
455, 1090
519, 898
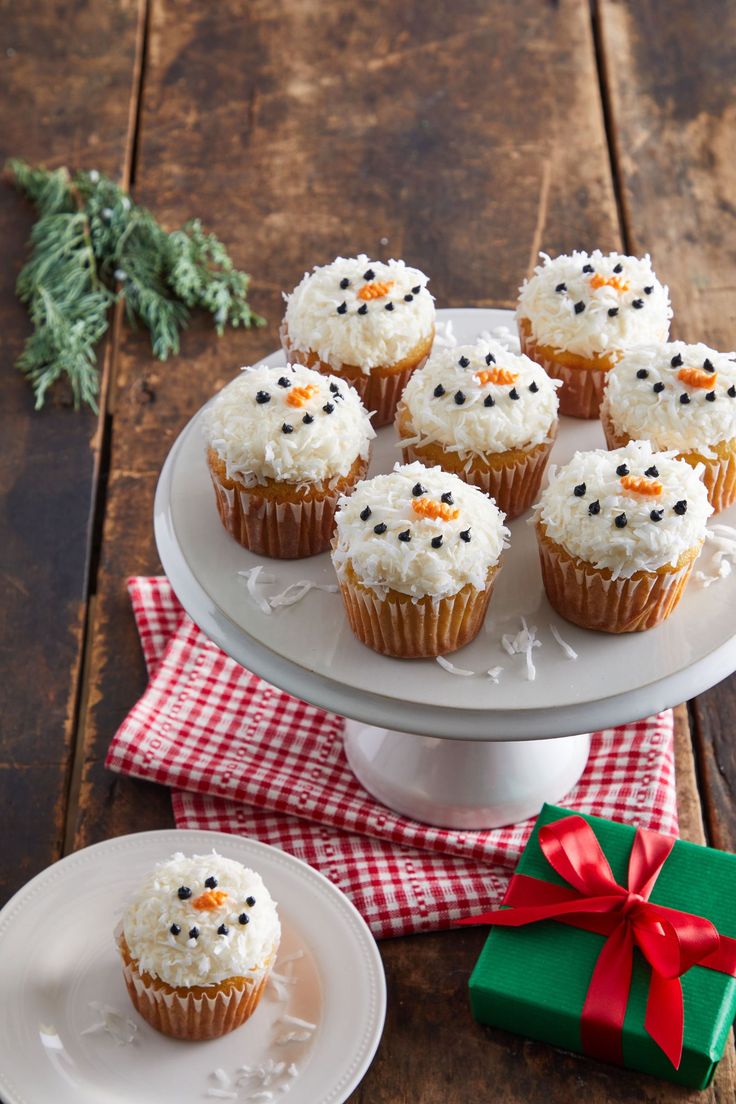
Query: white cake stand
448, 750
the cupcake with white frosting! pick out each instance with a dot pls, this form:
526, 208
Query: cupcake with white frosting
680, 397
283, 444
369, 322
578, 314
198, 940
416, 553
485, 414
618, 535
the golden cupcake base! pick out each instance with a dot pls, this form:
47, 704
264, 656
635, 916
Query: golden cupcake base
583, 378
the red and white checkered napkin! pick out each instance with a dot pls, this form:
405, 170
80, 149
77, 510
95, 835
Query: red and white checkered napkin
253, 760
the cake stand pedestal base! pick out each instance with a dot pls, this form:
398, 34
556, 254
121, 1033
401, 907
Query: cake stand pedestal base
463, 783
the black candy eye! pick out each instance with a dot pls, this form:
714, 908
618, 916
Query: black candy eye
211, 882
408, 298
418, 490
710, 397
489, 401
560, 288
244, 918
380, 528
649, 290
621, 521
389, 306
369, 274
307, 419
365, 513
490, 358
579, 306
405, 536
676, 361
437, 542
439, 391
732, 392
612, 312
594, 507
223, 929
286, 428
334, 388
680, 507
622, 470
513, 393
657, 515
652, 472
637, 304
416, 290
194, 933
342, 309
533, 387
642, 373
284, 382
658, 387
344, 283
579, 491
262, 397
447, 498
183, 892
328, 408
175, 929
459, 398
618, 267
684, 398
465, 536
363, 309
250, 901
588, 268
463, 362
708, 365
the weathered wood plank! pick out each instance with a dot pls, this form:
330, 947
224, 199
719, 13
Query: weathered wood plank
671, 71
49, 460
379, 128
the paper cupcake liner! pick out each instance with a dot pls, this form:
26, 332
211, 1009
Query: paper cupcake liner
379, 390
186, 1016
582, 390
285, 530
719, 475
514, 485
589, 597
397, 626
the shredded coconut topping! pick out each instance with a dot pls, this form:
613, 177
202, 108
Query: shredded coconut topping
390, 544
288, 423
181, 959
113, 1023
460, 400
588, 510
645, 389
595, 303
326, 313
523, 643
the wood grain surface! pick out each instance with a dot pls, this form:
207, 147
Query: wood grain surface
462, 139
49, 461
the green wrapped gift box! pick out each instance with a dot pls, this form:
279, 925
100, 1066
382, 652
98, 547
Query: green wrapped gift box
534, 979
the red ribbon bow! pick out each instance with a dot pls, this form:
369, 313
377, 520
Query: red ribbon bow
671, 941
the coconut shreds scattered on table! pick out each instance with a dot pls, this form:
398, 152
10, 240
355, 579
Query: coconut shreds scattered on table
567, 648
293, 593
452, 669
113, 1023
494, 674
720, 541
253, 576
523, 643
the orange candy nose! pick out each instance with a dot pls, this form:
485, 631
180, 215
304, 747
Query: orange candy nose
597, 281
694, 377
375, 290
210, 899
426, 507
496, 375
639, 484
299, 395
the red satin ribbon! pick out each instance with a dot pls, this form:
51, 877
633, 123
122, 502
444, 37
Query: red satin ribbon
671, 941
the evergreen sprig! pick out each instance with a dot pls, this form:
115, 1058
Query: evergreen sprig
91, 245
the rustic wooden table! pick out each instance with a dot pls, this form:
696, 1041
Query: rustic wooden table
464, 137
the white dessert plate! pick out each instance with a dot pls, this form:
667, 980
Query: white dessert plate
309, 650
58, 964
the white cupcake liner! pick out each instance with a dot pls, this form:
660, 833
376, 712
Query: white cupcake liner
582, 388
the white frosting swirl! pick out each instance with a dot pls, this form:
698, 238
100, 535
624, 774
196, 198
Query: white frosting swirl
249, 435
643, 396
524, 410
382, 561
641, 543
211, 957
333, 321
640, 315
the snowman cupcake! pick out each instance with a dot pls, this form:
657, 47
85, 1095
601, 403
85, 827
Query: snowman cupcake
618, 534
486, 415
369, 322
416, 554
578, 314
680, 397
283, 444
197, 941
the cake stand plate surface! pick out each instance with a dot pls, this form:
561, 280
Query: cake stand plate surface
309, 650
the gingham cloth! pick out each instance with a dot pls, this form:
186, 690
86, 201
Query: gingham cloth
251, 759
